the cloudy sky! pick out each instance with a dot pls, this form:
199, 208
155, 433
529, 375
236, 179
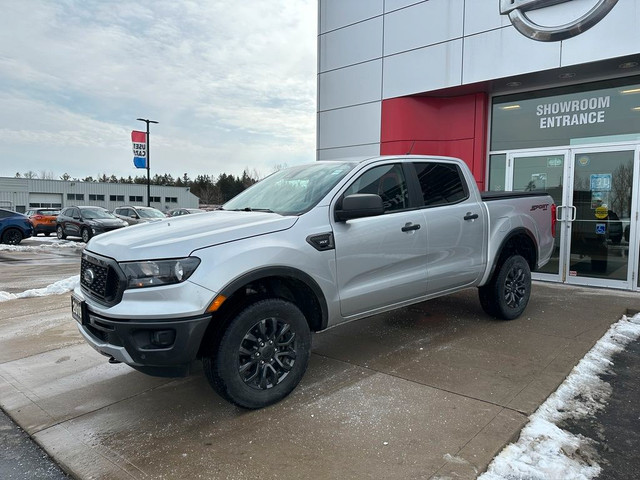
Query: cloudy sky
232, 83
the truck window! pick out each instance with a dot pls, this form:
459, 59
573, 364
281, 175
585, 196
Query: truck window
441, 183
388, 181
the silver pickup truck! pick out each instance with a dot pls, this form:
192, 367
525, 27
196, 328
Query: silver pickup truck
303, 250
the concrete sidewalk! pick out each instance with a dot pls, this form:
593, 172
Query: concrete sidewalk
430, 391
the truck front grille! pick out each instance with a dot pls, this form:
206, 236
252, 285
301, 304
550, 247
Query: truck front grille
101, 279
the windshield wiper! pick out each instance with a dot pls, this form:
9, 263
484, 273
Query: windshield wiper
249, 209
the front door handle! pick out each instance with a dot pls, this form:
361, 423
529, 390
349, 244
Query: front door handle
470, 216
410, 226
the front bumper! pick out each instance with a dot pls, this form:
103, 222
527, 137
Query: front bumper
162, 347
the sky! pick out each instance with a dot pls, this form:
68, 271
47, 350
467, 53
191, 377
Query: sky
232, 85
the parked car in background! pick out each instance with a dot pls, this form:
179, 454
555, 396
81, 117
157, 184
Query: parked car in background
85, 222
134, 214
43, 220
14, 227
176, 212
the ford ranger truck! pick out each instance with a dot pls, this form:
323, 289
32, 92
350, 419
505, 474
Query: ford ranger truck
305, 249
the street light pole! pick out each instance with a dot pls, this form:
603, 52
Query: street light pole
147, 121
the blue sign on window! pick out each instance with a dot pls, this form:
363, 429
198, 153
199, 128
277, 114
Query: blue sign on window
601, 228
601, 181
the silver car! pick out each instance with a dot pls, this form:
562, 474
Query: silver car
135, 214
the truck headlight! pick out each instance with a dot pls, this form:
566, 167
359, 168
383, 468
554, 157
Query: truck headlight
153, 273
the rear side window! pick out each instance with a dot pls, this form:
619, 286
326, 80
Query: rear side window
441, 183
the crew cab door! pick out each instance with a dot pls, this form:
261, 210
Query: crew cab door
456, 226
381, 259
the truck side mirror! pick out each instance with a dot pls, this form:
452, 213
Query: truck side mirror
359, 205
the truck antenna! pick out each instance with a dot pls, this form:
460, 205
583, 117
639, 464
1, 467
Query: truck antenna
411, 149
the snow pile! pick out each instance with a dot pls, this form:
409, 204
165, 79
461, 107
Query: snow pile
58, 288
42, 247
546, 451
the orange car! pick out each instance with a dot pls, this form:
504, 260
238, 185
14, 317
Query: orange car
43, 220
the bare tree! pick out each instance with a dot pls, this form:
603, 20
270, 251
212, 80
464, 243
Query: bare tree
621, 188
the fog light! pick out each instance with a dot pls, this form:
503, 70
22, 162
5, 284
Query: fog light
163, 338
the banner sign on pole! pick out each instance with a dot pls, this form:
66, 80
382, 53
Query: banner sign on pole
139, 140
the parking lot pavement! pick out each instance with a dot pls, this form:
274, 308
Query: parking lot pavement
38, 262
434, 390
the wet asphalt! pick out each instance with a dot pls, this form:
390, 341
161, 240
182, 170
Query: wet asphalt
21, 458
616, 429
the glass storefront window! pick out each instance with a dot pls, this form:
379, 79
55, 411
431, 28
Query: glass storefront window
595, 116
497, 172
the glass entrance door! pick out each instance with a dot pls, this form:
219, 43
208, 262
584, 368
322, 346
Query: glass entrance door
542, 172
597, 235
603, 207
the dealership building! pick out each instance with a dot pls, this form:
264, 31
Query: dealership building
22, 194
539, 95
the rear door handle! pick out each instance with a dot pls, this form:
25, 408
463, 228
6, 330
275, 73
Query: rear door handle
470, 216
410, 226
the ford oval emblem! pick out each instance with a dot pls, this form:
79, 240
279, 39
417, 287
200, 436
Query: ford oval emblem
517, 10
88, 276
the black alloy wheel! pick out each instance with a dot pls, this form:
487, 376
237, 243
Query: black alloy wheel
261, 355
516, 287
267, 354
507, 294
12, 236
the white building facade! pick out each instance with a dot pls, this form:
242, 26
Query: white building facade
22, 194
531, 94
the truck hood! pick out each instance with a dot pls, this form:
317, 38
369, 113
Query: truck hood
179, 236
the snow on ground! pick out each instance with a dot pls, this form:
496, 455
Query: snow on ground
42, 245
546, 451
57, 288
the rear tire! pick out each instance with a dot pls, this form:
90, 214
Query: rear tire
60, 233
262, 354
507, 294
12, 236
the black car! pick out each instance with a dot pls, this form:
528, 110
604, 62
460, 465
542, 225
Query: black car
85, 222
14, 227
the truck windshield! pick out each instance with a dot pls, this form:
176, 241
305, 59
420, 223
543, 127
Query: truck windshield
292, 191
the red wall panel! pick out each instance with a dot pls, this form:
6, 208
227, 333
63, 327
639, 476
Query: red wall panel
453, 126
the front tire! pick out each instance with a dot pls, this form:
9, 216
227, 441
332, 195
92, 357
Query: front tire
86, 235
262, 354
507, 294
60, 233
